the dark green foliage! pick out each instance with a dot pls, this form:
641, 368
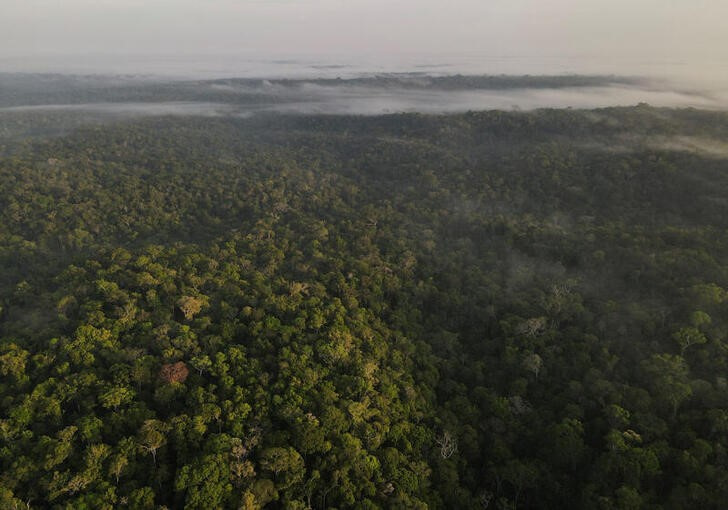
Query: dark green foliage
487, 310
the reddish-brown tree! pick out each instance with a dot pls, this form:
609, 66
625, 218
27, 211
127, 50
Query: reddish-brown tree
174, 372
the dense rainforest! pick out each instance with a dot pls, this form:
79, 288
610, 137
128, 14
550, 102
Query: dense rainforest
484, 310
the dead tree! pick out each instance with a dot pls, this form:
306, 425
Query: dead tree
448, 445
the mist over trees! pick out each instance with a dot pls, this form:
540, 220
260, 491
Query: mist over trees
367, 94
484, 310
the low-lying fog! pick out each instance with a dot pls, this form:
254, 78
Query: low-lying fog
202, 79
372, 101
310, 98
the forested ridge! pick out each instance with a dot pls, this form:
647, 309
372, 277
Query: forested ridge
24, 89
486, 310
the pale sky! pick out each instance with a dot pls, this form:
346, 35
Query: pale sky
650, 29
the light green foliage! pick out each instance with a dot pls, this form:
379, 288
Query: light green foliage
408, 311
116, 396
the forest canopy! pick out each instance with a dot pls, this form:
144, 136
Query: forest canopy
482, 310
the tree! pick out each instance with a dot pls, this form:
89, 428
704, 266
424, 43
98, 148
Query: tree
522, 475
283, 461
448, 445
152, 436
116, 396
12, 360
686, 337
174, 372
668, 379
566, 443
190, 306
201, 363
206, 482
